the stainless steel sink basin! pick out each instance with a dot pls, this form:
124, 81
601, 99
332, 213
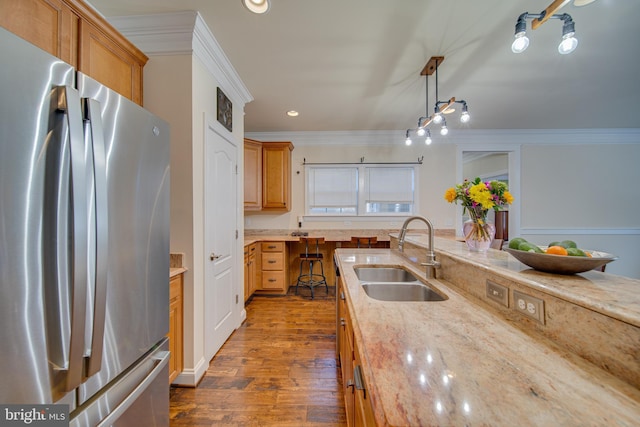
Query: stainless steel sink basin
401, 292
384, 274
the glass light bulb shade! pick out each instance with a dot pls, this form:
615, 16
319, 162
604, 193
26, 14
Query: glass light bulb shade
444, 131
420, 132
408, 141
257, 6
568, 44
437, 118
521, 43
465, 117
428, 140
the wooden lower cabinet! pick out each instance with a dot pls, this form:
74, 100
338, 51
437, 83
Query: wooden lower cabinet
250, 270
274, 271
362, 411
175, 327
357, 403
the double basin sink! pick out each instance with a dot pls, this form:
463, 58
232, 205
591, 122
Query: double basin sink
387, 283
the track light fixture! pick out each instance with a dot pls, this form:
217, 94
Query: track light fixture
568, 43
441, 107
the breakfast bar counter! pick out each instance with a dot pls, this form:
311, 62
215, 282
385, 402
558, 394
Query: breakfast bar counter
469, 361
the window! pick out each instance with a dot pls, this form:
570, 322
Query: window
362, 190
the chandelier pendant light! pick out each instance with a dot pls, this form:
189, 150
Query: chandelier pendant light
440, 109
568, 43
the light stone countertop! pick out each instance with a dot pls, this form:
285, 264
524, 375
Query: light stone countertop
454, 362
174, 271
615, 296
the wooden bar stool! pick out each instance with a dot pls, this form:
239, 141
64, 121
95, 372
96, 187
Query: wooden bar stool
362, 242
311, 256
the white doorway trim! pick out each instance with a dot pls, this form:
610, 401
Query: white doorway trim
513, 151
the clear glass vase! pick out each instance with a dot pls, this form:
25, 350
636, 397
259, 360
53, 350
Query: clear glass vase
478, 233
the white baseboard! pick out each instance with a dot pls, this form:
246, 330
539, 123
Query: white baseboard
191, 377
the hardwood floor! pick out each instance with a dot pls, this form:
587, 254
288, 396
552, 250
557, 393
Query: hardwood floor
278, 369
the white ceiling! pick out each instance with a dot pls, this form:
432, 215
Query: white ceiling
355, 64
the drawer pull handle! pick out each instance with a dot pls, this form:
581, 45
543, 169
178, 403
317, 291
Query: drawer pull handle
271, 261
272, 280
271, 247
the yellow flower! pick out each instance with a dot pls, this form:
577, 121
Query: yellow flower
479, 193
508, 197
450, 195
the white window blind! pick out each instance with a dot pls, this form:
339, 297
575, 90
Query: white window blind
360, 190
332, 187
389, 185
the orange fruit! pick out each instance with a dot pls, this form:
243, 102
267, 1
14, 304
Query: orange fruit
556, 250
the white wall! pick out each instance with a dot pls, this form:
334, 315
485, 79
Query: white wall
185, 68
576, 184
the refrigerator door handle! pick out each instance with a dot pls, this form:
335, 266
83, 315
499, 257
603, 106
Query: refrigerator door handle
119, 396
160, 359
99, 257
68, 100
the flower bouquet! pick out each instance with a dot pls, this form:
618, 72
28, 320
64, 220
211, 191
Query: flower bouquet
477, 197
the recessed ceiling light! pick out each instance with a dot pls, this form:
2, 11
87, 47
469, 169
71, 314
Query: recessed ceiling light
292, 113
256, 6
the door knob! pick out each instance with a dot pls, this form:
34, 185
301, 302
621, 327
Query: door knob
213, 256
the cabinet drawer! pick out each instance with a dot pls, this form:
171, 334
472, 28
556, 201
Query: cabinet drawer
272, 261
272, 246
273, 280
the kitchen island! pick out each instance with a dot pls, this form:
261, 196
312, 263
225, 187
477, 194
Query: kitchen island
469, 360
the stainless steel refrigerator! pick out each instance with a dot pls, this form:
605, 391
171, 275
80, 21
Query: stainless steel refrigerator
84, 244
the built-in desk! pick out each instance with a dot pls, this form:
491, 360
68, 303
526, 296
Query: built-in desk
333, 239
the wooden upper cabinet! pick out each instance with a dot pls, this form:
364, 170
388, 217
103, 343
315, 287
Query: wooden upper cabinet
75, 33
252, 175
276, 176
267, 176
48, 24
109, 61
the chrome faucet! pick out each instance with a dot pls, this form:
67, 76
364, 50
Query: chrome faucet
431, 263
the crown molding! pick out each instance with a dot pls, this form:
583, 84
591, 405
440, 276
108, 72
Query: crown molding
183, 33
461, 137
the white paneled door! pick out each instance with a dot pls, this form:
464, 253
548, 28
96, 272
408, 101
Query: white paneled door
220, 241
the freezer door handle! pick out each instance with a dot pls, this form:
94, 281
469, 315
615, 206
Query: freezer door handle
123, 393
161, 359
68, 101
98, 255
